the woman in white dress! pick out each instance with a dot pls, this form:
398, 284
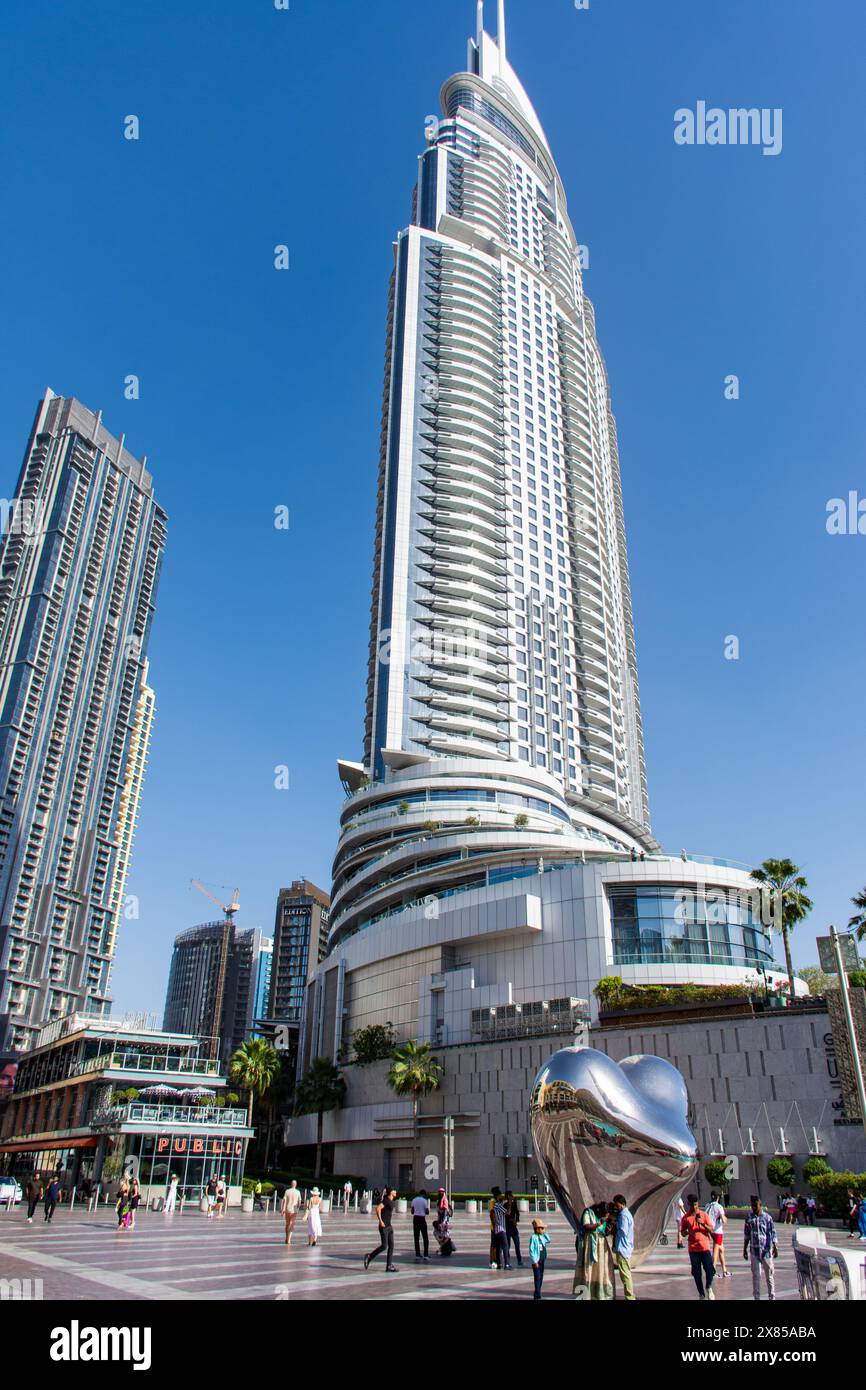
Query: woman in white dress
314, 1217
171, 1195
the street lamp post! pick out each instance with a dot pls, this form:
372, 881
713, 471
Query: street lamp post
849, 1020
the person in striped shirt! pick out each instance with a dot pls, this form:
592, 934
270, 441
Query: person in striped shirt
760, 1248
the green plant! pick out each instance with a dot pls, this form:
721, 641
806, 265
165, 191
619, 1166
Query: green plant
788, 902
858, 921
375, 1043
321, 1088
472, 820
716, 1174
521, 821
609, 990
432, 826
254, 1066
857, 979
780, 1172
415, 1072
817, 979
832, 1190
402, 807
815, 1167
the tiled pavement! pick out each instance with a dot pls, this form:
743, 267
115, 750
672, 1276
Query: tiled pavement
80, 1256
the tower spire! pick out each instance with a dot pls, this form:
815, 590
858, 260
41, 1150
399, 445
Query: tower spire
500, 31
479, 26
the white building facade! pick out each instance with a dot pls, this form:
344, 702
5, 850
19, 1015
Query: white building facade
495, 857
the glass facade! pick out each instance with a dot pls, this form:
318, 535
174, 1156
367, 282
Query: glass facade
664, 924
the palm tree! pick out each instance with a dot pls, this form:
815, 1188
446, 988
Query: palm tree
254, 1066
787, 886
414, 1072
859, 922
321, 1088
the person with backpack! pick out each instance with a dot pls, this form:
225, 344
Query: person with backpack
538, 1243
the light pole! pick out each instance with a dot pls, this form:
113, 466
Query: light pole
849, 1019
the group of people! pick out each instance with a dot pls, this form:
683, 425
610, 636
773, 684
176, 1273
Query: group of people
128, 1199
36, 1191
291, 1205
856, 1215
795, 1209
704, 1233
604, 1244
384, 1208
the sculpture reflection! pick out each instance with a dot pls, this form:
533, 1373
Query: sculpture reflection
600, 1127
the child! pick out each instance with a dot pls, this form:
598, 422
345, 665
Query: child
538, 1243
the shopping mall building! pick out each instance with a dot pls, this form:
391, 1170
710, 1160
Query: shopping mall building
99, 1098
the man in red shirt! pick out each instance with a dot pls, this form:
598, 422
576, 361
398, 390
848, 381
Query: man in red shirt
697, 1228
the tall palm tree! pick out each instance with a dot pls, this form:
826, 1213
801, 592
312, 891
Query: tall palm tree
254, 1066
321, 1088
859, 921
415, 1073
787, 887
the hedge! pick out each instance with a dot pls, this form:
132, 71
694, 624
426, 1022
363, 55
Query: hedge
832, 1189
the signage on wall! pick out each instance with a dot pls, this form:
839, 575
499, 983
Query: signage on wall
184, 1144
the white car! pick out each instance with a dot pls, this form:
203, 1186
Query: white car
10, 1190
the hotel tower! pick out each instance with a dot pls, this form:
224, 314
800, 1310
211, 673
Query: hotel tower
495, 857
79, 566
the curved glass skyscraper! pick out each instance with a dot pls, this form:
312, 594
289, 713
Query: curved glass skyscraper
502, 696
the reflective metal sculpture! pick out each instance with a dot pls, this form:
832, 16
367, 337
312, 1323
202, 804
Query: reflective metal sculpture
601, 1127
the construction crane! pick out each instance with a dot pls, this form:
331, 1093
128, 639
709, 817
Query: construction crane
229, 908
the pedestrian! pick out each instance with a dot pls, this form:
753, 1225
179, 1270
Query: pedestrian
171, 1196
443, 1206
760, 1248
802, 1210
538, 1243
258, 1204
790, 1210
853, 1213
134, 1199
442, 1232
289, 1207
623, 1244
811, 1210
420, 1212
384, 1214
512, 1234
861, 1220
377, 1197
121, 1206
718, 1220
347, 1195
679, 1213
593, 1270
221, 1195
314, 1217
34, 1192
210, 1195
498, 1239
52, 1197
699, 1237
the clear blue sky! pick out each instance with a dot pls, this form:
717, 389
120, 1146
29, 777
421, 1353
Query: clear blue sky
261, 388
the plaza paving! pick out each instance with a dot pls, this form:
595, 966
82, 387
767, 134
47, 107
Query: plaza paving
182, 1257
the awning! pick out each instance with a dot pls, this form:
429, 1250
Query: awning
26, 1146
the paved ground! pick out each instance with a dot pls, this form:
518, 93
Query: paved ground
80, 1256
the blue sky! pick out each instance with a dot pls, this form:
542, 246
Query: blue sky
262, 388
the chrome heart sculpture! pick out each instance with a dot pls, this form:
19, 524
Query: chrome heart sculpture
602, 1127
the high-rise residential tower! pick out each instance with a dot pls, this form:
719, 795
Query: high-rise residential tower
300, 942
214, 984
79, 566
495, 857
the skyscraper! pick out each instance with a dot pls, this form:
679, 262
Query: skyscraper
300, 942
79, 567
495, 859
214, 984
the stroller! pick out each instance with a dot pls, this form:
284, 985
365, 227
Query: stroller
442, 1232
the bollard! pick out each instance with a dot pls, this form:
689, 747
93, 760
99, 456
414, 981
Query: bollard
72, 1198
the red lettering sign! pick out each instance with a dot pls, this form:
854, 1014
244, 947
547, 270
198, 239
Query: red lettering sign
162, 1144
180, 1146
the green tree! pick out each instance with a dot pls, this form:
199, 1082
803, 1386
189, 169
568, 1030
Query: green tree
858, 921
787, 888
414, 1072
608, 991
780, 1172
321, 1088
254, 1066
716, 1174
375, 1043
857, 979
815, 1167
817, 979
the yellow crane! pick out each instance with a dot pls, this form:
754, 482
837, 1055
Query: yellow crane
229, 908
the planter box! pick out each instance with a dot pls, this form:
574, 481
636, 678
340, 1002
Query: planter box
402, 1206
471, 1204
522, 1204
365, 1206
202, 1206
325, 1205
246, 1203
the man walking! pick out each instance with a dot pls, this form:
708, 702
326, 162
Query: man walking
258, 1205
718, 1220
498, 1238
384, 1214
52, 1197
512, 1234
760, 1248
289, 1207
699, 1237
623, 1244
33, 1192
347, 1196
420, 1212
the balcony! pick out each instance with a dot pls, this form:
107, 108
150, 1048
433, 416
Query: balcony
170, 1116
176, 1064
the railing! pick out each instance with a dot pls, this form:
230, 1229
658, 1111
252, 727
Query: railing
181, 1064
137, 1112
